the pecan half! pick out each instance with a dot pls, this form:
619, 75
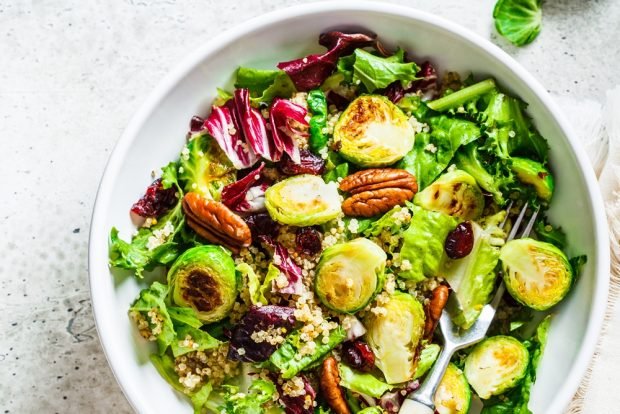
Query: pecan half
378, 178
438, 301
215, 222
377, 190
330, 386
373, 202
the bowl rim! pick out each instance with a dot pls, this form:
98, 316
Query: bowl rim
98, 258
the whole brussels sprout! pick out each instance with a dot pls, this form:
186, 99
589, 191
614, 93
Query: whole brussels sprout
496, 365
203, 278
204, 168
303, 200
373, 132
537, 274
453, 395
454, 193
349, 275
394, 334
535, 174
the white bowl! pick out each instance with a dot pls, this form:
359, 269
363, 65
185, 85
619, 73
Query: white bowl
157, 132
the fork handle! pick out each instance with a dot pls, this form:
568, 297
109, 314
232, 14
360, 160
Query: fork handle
415, 407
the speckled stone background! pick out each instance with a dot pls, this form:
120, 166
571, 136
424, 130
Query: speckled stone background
72, 73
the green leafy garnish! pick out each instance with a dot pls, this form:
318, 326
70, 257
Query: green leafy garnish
264, 85
152, 307
519, 21
317, 104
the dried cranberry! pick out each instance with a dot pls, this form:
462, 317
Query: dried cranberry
394, 92
156, 200
261, 224
196, 124
460, 241
308, 241
264, 318
358, 355
310, 164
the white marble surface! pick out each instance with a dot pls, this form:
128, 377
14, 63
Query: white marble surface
73, 73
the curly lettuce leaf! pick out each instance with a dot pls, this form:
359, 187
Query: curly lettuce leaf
376, 72
519, 21
201, 397
470, 160
432, 152
393, 222
252, 402
144, 252
363, 383
151, 305
472, 279
423, 244
264, 85
287, 360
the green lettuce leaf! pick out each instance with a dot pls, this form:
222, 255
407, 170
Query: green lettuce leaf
519, 21
152, 299
550, 234
317, 104
363, 383
473, 162
428, 356
252, 402
423, 243
289, 363
201, 339
264, 85
432, 152
376, 72
393, 222
200, 398
251, 280
164, 364
184, 316
138, 255
472, 279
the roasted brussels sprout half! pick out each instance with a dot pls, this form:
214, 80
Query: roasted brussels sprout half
394, 334
453, 395
204, 279
496, 365
204, 167
373, 132
303, 200
537, 274
455, 193
349, 275
535, 174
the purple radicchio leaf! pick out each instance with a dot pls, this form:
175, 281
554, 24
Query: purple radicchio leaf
254, 127
392, 400
298, 404
278, 319
287, 266
339, 101
246, 195
261, 224
222, 126
288, 121
310, 72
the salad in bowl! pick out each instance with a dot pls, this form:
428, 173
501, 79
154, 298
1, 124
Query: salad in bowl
297, 254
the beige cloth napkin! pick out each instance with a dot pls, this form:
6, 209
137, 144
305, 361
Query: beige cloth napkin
598, 126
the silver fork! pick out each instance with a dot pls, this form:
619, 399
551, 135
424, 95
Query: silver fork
421, 400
